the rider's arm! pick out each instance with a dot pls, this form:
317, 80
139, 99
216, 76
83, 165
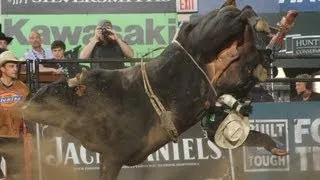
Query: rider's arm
232, 103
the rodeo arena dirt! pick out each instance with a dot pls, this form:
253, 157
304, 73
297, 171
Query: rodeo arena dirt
159, 89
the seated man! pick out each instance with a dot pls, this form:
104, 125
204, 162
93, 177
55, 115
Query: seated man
217, 117
13, 93
39, 53
305, 90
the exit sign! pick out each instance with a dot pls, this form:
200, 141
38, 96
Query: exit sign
185, 6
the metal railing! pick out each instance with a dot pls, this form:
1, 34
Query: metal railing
33, 74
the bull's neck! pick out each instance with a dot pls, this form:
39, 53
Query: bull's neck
179, 84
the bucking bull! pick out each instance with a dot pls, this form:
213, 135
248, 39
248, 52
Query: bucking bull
127, 114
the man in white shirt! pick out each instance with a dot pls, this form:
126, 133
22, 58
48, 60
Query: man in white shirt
38, 52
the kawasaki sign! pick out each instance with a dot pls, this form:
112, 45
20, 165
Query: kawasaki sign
143, 31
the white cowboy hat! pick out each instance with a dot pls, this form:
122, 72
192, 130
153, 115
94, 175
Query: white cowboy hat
8, 56
232, 131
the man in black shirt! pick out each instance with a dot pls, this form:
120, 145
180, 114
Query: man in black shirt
304, 90
106, 44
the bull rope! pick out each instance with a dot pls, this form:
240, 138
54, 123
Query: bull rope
157, 105
164, 115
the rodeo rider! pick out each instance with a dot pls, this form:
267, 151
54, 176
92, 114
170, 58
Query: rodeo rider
227, 125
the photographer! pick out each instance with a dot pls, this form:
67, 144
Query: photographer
106, 44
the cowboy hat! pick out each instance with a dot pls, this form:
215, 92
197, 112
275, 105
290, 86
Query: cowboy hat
6, 38
8, 56
232, 131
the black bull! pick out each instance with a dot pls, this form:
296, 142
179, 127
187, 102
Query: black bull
115, 117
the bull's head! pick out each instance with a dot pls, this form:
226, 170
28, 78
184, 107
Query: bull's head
232, 45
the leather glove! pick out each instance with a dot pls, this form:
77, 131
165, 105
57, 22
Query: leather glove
245, 109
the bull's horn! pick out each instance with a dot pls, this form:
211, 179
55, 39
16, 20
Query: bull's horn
83, 75
262, 25
78, 79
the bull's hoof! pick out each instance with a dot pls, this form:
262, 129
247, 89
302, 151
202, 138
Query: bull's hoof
172, 133
167, 119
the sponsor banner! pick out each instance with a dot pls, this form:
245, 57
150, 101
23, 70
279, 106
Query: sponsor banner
143, 32
295, 127
264, 161
306, 44
301, 44
299, 5
266, 6
193, 157
87, 6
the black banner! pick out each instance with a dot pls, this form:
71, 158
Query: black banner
87, 6
294, 127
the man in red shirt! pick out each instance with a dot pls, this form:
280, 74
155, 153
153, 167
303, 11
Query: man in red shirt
13, 93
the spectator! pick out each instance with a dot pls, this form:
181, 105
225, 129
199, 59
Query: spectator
4, 41
70, 69
305, 90
58, 48
13, 93
38, 52
106, 44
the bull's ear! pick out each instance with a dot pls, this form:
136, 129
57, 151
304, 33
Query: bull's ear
229, 3
185, 30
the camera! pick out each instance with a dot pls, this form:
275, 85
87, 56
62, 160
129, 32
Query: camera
105, 32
